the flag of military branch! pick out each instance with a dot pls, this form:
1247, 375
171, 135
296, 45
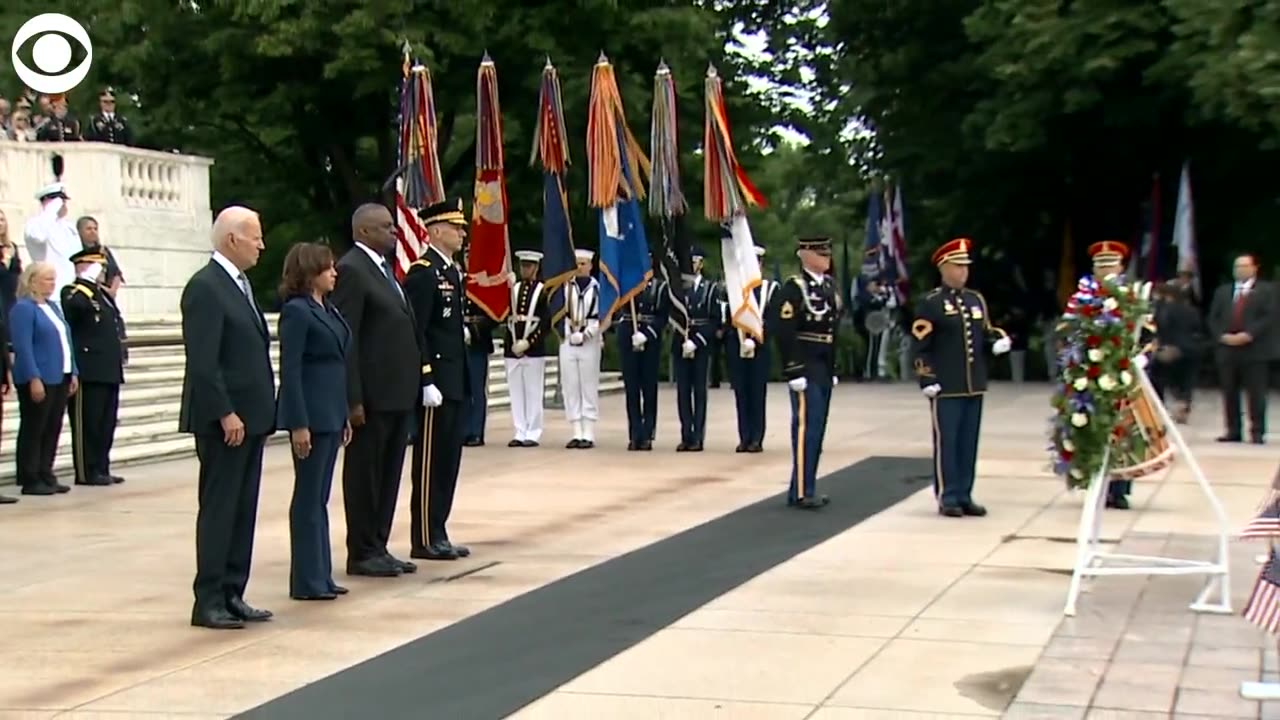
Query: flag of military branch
489, 253
894, 237
728, 193
418, 182
550, 146
616, 165
666, 200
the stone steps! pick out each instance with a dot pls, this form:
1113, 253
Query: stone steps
152, 394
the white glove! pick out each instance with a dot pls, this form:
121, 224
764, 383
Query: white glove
834, 381
1142, 361
638, 339
688, 349
466, 334
521, 347
431, 396
798, 385
1002, 346
932, 391
749, 344
576, 338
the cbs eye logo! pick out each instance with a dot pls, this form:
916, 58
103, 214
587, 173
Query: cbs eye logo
51, 53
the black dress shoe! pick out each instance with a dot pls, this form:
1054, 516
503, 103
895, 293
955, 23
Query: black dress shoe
438, 551
755, 448
1257, 440
810, 503
1228, 438
7, 500
373, 567
115, 479
471, 442
405, 566
530, 443
60, 488
973, 509
1119, 502
338, 589
647, 446
515, 443
573, 444
682, 447
39, 489
586, 445
98, 481
742, 447
241, 609
218, 619
632, 447
696, 447
951, 511
317, 596
459, 550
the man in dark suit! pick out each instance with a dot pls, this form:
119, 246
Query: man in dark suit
434, 286
1240, 323
382, 391
228, 404
96, 336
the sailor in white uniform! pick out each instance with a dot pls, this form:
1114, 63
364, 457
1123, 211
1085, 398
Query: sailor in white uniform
525, 349
51, 236
580, 353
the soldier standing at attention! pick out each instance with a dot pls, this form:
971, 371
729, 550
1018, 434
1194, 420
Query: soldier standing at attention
691, 355
639, 340
805, 330
580, 353
951, 329
478, 332
96, 330
434, 288
749, 364
107, 125
525, 351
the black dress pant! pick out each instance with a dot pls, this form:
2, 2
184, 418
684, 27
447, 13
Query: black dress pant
371, 472
437, 455
1241, 370
94, 411
227, 518
38, 432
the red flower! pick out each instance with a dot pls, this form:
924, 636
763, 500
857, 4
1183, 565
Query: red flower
1094, 371
1093, 341
1120, 431
1087, 311
1067, 455
1123, 364
1116, 341
1129, 326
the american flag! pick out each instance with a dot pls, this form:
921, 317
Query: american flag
1263, 608
411, 236
1267, 524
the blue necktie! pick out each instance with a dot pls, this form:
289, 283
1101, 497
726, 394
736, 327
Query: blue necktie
386, 270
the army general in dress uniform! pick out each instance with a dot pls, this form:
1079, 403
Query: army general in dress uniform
108, 125
952, 328
639, 327
96, 332
805, 331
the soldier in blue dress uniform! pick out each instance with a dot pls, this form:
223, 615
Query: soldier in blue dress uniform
691, 356
639, 342
952, 328
749, 364
808, 314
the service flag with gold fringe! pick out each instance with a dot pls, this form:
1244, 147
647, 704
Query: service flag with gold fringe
666, 200
489, 252
550, 146
728, 193
417, 182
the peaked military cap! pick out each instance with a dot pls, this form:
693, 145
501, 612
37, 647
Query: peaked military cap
1109, 252
815, 243
449, 211
89, 255
954, 251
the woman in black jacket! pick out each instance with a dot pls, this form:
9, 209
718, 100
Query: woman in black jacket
1180, 340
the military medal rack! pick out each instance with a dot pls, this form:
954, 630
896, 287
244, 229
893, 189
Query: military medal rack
1092, 561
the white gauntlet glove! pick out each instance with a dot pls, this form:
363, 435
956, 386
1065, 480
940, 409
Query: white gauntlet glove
466, 334
748, 348
1141, 360
688, 349
576, 338
1002, 346
638, 339
431, 396
520, 347
798, 385
931, 391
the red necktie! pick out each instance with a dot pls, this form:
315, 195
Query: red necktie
1237, 310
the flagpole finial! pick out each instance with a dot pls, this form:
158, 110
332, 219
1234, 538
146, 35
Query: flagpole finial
549, 65
604, 60
486, 60
405, 47
711, 70
662, 67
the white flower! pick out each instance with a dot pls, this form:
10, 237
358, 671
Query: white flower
1110, 304
1079, 419
1106, 382
1096, 355
1126, 379
1068, 446
1077, 473
1080, 384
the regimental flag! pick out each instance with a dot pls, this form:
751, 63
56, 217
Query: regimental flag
489, 256
1263, 607
616, 166
1184, 232
667, 201
873, 249
418, 182
895, 242
727, 194
550, 146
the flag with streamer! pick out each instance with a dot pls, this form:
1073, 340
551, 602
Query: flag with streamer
727, 194
489, 256
666, 200
616, 167
417, 181
550, 146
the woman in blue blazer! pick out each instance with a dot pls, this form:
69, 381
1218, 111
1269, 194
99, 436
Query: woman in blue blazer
312, 406
44, 373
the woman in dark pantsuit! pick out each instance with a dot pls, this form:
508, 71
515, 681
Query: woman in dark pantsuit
313, 407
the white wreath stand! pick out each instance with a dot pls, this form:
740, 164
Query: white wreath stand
1092, 561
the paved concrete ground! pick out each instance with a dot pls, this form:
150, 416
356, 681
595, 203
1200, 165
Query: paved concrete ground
906, 615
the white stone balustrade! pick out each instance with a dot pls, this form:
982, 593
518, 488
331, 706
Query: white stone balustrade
152, 210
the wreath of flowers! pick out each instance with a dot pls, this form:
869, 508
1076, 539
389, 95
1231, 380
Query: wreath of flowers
1099, 340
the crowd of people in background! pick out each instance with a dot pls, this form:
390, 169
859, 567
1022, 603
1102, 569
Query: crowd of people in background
33, 117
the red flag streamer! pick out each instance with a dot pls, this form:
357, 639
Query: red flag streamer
489, 256
728, 191
604, 152
549, 145
549, 133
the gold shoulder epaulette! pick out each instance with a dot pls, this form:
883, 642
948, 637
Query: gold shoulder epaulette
82, 289
420, 262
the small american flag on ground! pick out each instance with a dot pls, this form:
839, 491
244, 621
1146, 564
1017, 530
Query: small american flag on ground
1263, 608
1267, 523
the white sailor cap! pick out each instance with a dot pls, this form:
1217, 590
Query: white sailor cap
759, 251
532, 256
50, 190
587, 255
